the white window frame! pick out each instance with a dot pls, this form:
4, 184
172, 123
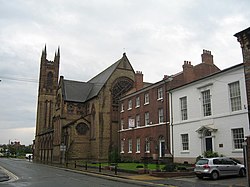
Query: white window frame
185, 142
146, 117
130, 104
160, 115
146, 99
137, 120
122, 107
206, 103
130, 145
138, 145
235, 96
183, 107
147, 146
137, 102
122, 124
238, 138
122, 146
160, 93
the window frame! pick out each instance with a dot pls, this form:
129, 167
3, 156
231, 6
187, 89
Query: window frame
137, 120
235, 96
160, 93
122, 124
122, 107
206, 103
138, 145
122, 146
130, 104
183, 108
147, 146
146, 98
130, 145
146, 119
185, 142
160, 115
137, 102
237, 138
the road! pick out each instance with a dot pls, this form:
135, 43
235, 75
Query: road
39, 175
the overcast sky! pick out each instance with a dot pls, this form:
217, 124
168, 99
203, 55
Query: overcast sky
157, 36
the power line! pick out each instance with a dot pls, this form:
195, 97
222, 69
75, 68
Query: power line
19, 79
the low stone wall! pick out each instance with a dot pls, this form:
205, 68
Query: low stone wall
171, 174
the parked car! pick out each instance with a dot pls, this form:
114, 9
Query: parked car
217, 167
29, 156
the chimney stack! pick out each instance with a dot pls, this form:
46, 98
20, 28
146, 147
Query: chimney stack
188, 71
207, 57
138, 80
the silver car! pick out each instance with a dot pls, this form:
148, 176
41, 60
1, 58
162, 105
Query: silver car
217, 167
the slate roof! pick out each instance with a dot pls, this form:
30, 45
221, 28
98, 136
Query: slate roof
76, 91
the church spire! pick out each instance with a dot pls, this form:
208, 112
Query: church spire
58, 51
44, 53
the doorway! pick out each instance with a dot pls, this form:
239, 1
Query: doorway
208, 141
162, 148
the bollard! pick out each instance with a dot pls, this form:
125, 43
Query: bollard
100, 167
115, 169
75, 163
86, 165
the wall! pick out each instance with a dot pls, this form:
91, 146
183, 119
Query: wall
222, 119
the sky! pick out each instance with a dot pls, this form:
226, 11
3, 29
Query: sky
157, 36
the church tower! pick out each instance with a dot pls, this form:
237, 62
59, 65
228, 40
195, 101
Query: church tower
48, 83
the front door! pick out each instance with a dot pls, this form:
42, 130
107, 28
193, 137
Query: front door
209, 144
162, 148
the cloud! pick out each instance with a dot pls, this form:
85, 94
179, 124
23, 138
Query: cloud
157, 37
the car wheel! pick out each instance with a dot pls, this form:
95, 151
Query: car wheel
200, 176
242, 172
214, 175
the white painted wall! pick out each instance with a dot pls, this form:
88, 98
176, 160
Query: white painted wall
222, 118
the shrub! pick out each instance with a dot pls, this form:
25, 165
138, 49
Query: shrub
210, 154
169, 167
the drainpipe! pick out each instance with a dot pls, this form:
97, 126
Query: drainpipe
171, 124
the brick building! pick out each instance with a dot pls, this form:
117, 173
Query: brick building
144, 114
243, 38
79, 120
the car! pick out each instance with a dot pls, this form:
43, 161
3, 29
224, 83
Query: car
218, 167
29, 156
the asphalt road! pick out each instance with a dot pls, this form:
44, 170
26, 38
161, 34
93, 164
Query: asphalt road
38, 175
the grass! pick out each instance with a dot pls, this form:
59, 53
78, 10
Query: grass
128, 166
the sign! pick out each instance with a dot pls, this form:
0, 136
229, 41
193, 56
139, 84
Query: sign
131, 123
62, 147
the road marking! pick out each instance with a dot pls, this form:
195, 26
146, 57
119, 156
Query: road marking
12, 176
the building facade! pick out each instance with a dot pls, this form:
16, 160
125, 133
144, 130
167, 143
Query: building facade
144, 114
143, 124
79, 120
210, 114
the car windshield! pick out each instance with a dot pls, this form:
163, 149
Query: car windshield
202, 162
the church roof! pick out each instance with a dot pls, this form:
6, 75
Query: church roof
82, 91
76, 91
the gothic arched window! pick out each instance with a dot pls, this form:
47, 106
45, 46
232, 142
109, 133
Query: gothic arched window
50, 80
121, 86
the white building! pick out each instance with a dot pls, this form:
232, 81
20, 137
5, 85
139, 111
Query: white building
210, 114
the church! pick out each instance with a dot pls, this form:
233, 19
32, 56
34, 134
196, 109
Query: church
79, 120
